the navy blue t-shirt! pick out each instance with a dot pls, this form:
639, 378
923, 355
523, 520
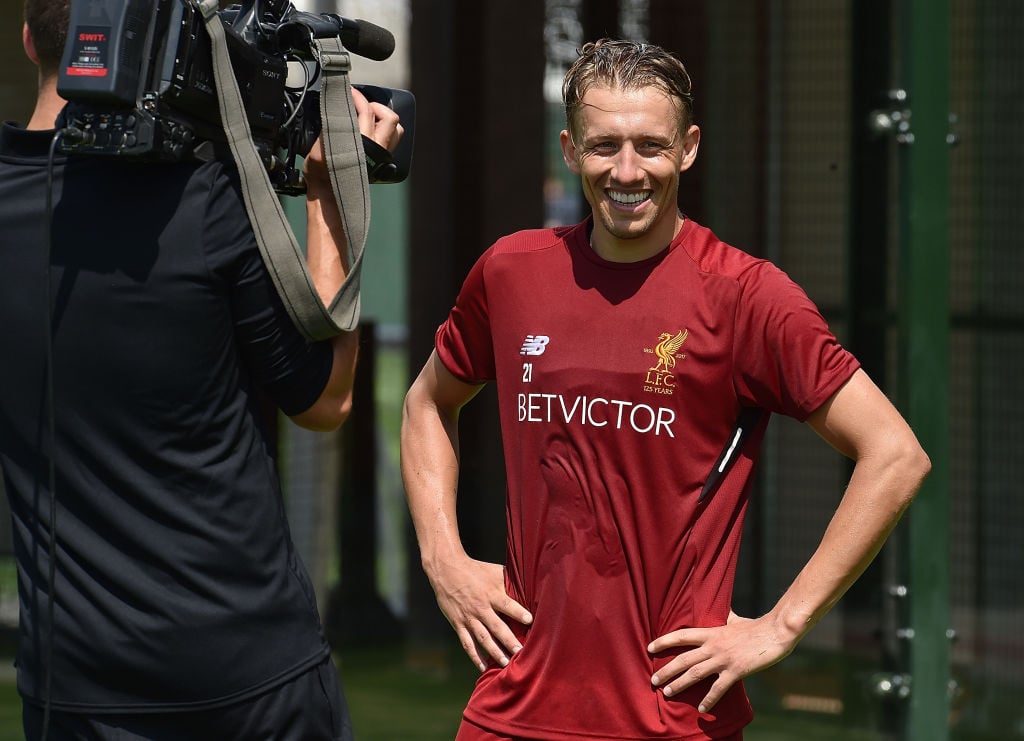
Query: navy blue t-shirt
177, 585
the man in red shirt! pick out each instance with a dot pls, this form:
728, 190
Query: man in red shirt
637, 359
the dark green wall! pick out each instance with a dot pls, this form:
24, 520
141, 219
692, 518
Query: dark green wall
17, 74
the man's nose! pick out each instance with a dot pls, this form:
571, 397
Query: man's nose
628, 166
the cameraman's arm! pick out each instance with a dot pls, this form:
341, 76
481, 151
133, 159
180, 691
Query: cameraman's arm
327, 257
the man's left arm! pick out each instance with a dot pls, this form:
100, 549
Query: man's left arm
860, 422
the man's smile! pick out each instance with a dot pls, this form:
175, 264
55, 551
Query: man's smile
625, 198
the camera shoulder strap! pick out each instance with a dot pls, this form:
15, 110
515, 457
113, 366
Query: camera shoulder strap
346, 162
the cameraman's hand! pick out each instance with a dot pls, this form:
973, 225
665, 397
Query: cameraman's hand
376, 122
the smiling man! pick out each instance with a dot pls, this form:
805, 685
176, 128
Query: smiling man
637, 360
629, 146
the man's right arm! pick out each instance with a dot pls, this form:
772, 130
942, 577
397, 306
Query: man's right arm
326, 255
470, 593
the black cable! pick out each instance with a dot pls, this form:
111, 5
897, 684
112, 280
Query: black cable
51, 421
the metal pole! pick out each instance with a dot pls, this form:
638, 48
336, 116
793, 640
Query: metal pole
924, 374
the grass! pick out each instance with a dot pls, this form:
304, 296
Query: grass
393, 699
10, 709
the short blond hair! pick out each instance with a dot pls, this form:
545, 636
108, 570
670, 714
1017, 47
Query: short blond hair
628, 65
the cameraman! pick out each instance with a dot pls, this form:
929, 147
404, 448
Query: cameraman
176, 606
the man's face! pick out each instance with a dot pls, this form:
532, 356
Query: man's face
628, 150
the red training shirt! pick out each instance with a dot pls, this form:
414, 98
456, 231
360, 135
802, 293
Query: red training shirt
620, 386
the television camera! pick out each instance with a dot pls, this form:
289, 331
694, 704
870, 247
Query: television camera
139, 81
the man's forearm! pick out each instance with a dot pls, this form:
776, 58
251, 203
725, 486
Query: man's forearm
326, 244
880, 490
430, 471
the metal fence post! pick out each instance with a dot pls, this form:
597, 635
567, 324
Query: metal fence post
924, 358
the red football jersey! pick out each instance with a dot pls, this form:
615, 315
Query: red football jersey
621, 389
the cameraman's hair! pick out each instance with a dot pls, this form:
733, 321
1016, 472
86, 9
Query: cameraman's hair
629, 65
48, 23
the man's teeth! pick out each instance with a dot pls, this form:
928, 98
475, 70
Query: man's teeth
628, 199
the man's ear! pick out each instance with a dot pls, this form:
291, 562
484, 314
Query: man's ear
29, 44
569, 152
691, 140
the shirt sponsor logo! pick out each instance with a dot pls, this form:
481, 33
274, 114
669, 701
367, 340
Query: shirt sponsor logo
534, 344
660, 378
596, 412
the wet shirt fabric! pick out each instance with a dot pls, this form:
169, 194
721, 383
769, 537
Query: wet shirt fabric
619, 388
177, 584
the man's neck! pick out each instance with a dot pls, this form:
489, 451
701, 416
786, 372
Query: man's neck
651, 243
48, 105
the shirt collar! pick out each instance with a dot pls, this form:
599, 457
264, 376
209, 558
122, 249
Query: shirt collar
17, 141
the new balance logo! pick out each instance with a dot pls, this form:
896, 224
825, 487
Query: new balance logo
534, 344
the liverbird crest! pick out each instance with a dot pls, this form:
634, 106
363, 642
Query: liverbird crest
667, 349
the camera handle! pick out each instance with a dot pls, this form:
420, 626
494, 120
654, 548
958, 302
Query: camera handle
346, 163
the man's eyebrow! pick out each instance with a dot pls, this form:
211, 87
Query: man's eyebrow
596, 136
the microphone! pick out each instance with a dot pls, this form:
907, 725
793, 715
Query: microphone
365, 39
359, 37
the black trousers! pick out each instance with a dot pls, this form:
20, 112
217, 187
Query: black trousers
310, 707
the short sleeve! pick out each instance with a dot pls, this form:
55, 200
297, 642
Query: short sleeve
787, 360
291, 370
